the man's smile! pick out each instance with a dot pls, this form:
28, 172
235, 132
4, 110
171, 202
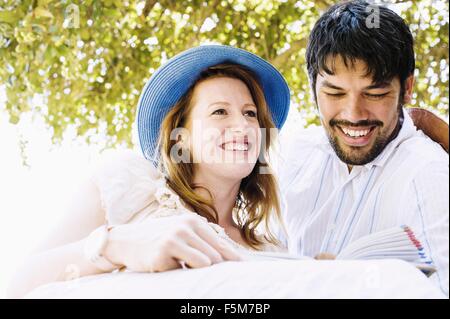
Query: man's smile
356, 136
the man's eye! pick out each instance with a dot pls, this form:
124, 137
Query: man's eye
219, 112
376, 96
250, 113
335, 94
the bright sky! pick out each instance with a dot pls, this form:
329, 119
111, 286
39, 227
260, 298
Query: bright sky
33, 198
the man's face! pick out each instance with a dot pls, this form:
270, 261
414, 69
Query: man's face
358, 115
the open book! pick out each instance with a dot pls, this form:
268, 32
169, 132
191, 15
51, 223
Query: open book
394, 243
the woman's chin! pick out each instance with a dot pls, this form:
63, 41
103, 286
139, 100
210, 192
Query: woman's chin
232, 171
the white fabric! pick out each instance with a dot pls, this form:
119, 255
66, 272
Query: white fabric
261, 279
129, 187
325, 208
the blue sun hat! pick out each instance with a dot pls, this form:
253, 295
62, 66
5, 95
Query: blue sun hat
173, 79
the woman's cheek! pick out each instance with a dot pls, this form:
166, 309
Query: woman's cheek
205, 145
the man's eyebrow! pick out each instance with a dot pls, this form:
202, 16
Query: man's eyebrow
331, 85
380, 85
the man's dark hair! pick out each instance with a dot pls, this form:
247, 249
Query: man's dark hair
349, 30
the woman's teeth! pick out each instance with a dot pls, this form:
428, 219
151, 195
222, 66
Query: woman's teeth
235, 147
355, 133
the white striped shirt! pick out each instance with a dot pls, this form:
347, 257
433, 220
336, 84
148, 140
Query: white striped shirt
325, 207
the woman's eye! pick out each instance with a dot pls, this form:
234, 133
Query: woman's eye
250, 113
219, 112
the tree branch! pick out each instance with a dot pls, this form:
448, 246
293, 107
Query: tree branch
280, 60
149, 4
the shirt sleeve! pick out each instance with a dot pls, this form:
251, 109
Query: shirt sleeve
430, 217
294, 149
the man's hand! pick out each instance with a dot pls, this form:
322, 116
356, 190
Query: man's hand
325, 256
431, 125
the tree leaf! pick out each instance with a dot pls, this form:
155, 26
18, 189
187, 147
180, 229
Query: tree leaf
42, 13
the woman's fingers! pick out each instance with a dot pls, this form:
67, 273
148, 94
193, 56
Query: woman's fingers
187, 239
196, 242
175, 251
219, 244
228, 252
190, 256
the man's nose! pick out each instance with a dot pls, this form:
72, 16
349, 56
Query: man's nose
355, 110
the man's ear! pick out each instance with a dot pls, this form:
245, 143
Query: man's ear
409, 85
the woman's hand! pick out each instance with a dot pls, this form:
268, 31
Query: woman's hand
433, 126
164, 243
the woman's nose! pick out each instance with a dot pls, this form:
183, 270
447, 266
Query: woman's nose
238, 122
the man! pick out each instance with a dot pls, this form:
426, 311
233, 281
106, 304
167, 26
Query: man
368, 168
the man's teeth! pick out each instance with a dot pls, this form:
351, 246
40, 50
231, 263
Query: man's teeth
235, 147
355, 133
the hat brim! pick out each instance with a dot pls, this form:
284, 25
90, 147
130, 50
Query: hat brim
171, 81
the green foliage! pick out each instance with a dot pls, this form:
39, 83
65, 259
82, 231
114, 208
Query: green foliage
90, 72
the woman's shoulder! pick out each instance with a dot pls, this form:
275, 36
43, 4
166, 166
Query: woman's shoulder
127, 183
120, 161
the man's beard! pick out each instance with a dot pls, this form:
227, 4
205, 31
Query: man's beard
356, 156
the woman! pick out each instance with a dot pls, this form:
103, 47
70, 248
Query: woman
202, 188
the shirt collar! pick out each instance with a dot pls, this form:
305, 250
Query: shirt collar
406, 131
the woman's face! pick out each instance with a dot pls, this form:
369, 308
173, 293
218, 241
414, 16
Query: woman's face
224, 130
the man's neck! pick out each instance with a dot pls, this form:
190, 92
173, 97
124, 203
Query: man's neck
397, 128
